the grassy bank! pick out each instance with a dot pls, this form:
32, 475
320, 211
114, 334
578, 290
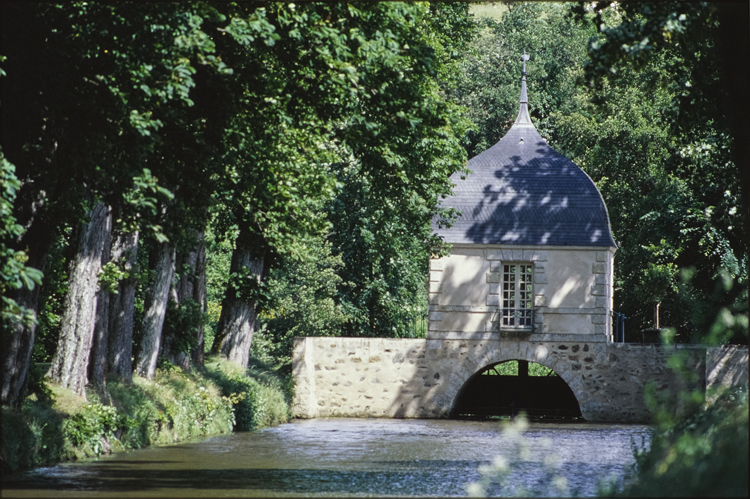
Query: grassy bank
55, 425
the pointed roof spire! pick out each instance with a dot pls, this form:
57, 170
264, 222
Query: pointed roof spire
523, 112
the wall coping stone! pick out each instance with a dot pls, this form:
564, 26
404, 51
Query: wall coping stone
519, 335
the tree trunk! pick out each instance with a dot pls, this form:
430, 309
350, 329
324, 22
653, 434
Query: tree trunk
199, 295
157, 299
122, 309
17, 340
98, 360
17, 345
237, 320
184, 291
70, 362
169, 348
190, 286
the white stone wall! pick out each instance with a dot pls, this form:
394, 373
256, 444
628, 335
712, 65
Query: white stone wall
572, 291
726, 367
420, 378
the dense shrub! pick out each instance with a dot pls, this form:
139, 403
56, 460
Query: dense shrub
260, 397
705, 455
91, 430
175, 405
31, 436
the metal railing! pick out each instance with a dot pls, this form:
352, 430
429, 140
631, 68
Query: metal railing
618, 327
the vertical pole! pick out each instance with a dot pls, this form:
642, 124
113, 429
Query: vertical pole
523, 368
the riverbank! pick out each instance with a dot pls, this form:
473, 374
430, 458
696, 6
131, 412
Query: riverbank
54, 424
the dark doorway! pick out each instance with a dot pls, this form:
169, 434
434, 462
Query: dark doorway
509, 388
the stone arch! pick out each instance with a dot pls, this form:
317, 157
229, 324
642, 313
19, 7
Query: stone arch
537, 353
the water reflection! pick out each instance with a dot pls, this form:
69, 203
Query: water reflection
341, 457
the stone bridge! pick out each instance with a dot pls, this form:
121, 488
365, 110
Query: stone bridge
421, 378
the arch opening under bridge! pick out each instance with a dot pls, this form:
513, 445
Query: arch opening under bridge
511, 387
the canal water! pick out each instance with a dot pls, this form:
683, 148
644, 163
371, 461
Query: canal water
356, 458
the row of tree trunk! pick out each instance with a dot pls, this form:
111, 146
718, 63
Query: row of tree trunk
96, 335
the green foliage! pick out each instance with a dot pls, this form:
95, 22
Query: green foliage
700, 445
218, 259
52, 296
93, 423
37, 385
451, 30
14, 274
142, 198
277, 148
384, 277
301, 301
173, 406
245, 285
143, 277
349, 135
32, 436
111, 274
490, 86
402, 144
181, 323
319, 95
170, 45
640, 30
259, 398
510, 368
661, 145
705, 455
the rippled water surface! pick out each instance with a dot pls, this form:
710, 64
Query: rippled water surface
349, 457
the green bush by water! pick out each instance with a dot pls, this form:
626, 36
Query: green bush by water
31, 436
261, 398
705, 455
174, 406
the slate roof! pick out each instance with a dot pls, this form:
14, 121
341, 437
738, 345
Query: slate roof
522, 192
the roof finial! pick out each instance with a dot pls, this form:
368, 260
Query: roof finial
524, 58
523, 112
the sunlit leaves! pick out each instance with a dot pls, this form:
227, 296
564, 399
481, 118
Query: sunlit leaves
491, 70
660, 151
14, 274
256, 26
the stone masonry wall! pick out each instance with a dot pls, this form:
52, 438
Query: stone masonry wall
726, 367
418, 378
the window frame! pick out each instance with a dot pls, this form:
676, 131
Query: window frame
516, 307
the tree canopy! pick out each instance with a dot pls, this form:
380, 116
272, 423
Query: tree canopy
287, 128
272, 169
